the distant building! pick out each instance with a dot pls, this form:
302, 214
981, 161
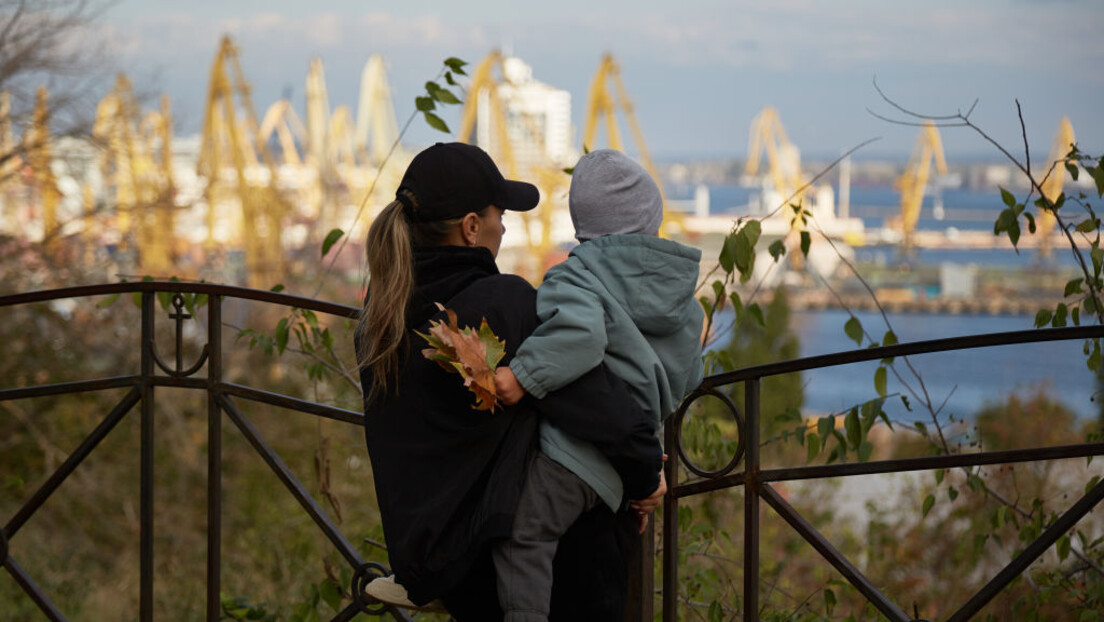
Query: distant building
537, 118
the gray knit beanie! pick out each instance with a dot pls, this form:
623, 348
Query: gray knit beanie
611, 194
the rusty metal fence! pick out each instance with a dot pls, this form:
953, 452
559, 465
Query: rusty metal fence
742, 471
222, 401
758, 483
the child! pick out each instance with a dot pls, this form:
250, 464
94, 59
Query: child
624, 298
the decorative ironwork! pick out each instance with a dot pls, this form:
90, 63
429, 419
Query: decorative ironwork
679, 417
3, 545
179, 315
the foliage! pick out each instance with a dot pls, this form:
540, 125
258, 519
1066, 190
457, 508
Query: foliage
473, 354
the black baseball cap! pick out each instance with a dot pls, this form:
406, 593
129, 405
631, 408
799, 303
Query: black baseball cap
450, 180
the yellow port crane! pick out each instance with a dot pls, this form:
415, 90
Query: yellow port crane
376, 126
37, 145
239, 168
783, 157
914, 181
602, 107
142, 187
10, 162
1051, 187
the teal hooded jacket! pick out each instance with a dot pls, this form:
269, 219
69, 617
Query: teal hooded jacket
626, 301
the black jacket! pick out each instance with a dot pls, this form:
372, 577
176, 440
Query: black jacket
448, 477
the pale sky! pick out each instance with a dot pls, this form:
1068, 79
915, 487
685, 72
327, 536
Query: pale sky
697, 70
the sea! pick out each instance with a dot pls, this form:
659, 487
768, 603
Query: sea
958, 383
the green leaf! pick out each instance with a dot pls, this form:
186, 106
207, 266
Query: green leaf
1014, 234
853, 329
806, 241
445, 96
905, 401
939, 474
570, 170
1060, 314
279, 287
757, 313
1063, 547
1097, 173
1008, 198
890, 338
854, 430
737, 304
456, 65
812, 447
829, 601
1030, 222
727, 257
331, 238
331, 594
719, 292
744, 253
753, 229
165, 299
450, 80
1074, 287
952, 493
880, 381
866, 449
1093, 361
435, 122
424, 104
1042, 318
716, 612
825, 426
1073, 170
282, 332
1097, 255
1088, 225
929, 501
1091, 483
107, 302
777, 249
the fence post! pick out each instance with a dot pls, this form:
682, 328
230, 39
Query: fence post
214, 458
751, 500
670, 522
145, 603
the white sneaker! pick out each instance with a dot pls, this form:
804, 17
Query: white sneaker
387, 591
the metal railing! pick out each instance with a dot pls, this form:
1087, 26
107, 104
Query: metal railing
757, 482
222, 401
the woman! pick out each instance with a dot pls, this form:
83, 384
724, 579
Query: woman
447, 477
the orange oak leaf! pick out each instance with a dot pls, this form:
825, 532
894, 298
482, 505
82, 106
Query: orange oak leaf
473, 354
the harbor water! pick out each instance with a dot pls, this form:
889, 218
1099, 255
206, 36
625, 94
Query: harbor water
963, 382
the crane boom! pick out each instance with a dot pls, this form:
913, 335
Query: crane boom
1055, 179
914, 181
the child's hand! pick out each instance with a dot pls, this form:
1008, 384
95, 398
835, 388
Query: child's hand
644, 507
507, 388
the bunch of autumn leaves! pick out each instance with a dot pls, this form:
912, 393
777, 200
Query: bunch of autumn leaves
474, 354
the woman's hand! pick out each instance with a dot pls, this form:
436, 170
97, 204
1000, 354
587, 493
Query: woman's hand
644, 507
507, 388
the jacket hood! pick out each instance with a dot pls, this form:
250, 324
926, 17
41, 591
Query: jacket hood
650, 277
441, 272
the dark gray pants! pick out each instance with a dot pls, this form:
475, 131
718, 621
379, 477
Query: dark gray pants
553, 498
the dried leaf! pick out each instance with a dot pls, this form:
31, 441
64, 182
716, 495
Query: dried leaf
472, 354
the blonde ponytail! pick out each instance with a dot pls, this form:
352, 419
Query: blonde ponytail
382, 324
